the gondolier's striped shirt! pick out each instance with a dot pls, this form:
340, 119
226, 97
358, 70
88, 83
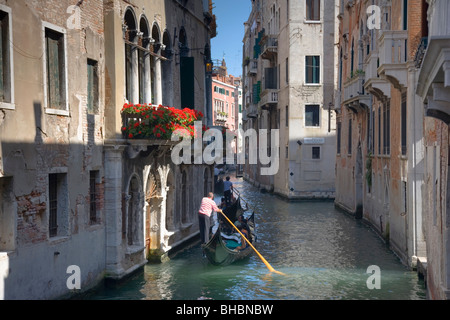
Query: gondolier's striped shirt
207, 206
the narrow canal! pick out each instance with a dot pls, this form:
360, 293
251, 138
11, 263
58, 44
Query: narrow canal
324, 253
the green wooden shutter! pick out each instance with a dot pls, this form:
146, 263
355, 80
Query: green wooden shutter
187, 82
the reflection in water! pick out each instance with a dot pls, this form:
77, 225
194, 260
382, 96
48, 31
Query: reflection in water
323, 252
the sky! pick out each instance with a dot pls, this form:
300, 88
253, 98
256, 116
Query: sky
230, 18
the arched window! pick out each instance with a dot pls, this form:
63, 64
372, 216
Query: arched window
144, 62
130, 37
166, 71
186, 72
155, 47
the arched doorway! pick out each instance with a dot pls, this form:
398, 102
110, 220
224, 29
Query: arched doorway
170, 203
133, 221
153, 201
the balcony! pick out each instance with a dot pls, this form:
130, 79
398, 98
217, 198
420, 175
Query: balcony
269, 47
253, 66
355, 97
269, 97
374, 84
252, 111
221, 116
393, 57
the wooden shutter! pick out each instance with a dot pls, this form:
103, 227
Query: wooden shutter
53, 70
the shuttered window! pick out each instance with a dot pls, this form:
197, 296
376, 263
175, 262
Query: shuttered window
5, 72
92, 86
54, 42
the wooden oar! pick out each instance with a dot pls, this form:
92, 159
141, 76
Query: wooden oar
271, 269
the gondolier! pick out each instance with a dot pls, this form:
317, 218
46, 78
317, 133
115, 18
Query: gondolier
204, 216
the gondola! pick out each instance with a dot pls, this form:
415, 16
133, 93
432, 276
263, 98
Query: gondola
220, 250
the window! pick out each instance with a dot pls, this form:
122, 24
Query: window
93, 196
352, 61
55, 69
405, 14
53, 204
313, 10
349, 147
339, 130
58, 204
8, 228
278, 118
316, 152
6, 74
92, 86
404, 125
287, 116
312, 113
313, 69
287, 70
379, 130
387, 128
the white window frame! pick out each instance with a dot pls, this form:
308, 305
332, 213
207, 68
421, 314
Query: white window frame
308, 21
61, 112
320, 116
9, 105
320, 72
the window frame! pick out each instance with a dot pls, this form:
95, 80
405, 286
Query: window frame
94, 109
11, 104
310, 10
64, 111
318, 83
318, 116
313, 148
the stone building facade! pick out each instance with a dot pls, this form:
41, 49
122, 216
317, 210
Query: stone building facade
379, 169
288, 85
224, 97
73, 190
432, 89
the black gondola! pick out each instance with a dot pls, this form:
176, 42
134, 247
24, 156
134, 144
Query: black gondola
220, 249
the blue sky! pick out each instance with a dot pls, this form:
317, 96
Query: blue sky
230, 15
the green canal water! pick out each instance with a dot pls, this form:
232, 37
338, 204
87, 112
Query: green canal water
324, 253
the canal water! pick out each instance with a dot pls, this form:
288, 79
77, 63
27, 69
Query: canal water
324, 253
